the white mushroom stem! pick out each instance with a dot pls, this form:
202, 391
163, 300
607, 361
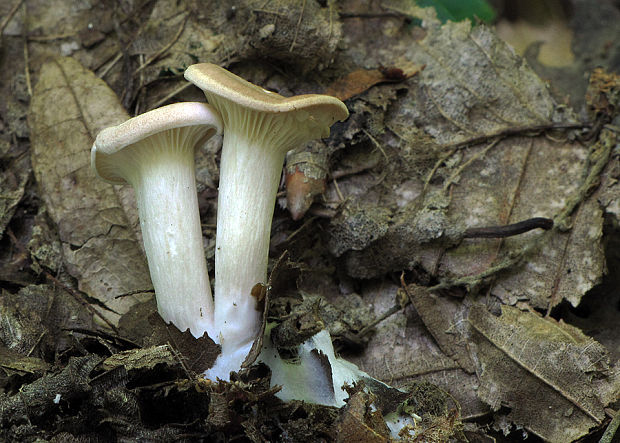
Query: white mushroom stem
161, 170
259, 128
249, 177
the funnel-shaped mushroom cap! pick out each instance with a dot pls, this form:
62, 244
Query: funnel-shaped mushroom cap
154, 152
180, 125
282, 122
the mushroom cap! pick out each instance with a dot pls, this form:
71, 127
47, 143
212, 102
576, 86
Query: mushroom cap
158, 121
218, 82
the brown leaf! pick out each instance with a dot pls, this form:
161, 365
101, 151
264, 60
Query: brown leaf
480, 167
359, 422
69, 107
12, 362
198, 354
403, 352
12, 184
443, 317
553, 365
361, 80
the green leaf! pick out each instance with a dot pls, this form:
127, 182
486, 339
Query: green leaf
458, 10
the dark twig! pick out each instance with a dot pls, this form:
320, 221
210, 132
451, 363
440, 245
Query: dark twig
509, 230
518, 130
80, 299
134, 292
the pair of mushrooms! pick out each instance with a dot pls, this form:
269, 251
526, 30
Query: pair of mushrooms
154, 152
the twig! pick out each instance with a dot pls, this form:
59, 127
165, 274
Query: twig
598, 159
178, 356
266, 11
26, 62
301, 15
301, 228
47, 38
180, 89
134, 292
401, 304
509, 230
165, 48
10, 15
511, 260
393, 310
111, 64
36, 344
375, 142
462, 167
338, 190
518, 130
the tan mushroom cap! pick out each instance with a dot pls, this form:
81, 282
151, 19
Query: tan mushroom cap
217, 81
114, 139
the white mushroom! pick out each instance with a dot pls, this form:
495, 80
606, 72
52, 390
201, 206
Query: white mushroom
259, 128
154, 152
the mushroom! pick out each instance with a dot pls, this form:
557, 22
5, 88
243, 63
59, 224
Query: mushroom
154, 153
259, 128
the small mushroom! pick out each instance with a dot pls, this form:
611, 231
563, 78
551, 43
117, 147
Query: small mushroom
259, 128
154, 152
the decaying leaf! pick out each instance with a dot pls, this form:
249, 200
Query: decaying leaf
38, 320
69, 107
402, 351
13, 180
43, 396
557, 368
481, 167
140, 358
15, 363
359, 421
197, 354
444, 319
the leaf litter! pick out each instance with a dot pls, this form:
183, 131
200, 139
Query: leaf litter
475, 139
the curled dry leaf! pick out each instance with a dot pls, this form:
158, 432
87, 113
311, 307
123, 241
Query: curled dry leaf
553, 365
69, 107
359, 81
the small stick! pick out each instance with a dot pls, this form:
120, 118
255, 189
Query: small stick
10, 15
509, 230
165, 48
301, 15
80, 300
178, 90
26, 62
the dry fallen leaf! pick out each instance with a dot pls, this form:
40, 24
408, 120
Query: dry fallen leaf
12, 184
459, 155
359, 81
360, 421
553, 366
69, 107
480, 167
